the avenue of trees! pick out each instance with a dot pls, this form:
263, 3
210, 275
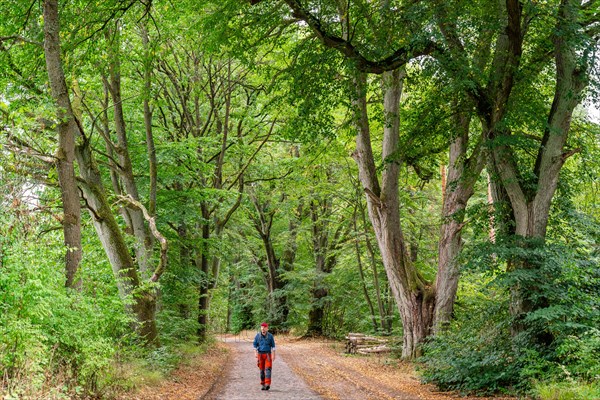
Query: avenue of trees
426, 170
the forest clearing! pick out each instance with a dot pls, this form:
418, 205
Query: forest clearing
414, 182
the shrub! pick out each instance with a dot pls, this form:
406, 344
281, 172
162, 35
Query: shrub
473, 354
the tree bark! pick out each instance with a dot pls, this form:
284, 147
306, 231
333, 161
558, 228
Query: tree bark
385, 320
324, 248
202, 263
531, 203
94, 194
278, 309
141, 303
134, 216
362, 277
463, 172
152, 165
68, 131
414, 296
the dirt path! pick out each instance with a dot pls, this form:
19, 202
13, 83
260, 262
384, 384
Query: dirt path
304, 369
242, 381
335, 379
338, 376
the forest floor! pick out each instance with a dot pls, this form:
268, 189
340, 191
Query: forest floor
304, 369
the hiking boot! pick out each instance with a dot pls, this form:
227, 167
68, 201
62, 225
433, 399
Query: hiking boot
264, 387
267, 387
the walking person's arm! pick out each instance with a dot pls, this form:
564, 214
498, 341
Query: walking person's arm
255, 344
272, 348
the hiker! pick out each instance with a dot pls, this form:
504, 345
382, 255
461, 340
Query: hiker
264, 348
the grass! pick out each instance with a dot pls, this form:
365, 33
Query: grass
567, 391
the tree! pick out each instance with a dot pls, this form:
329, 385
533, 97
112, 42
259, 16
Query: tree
382, 42
329, 229
526, 47
68, 131
215, 120
272, 264
95, 195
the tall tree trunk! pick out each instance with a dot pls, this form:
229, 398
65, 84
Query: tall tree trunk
209, 264
186, 259
213, 225
202, 263
531, 203
324, 248
152, 170
141, 303
463, 172
384, 320
414, 296
362, 275
134, 217
320, 241
68, 131
278, 309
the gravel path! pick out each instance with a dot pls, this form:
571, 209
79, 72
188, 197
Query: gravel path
242, 380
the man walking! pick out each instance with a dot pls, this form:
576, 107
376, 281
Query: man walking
264, 348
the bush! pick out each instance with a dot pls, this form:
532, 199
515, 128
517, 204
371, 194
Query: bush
54, 343
479, 352
580, 355
473, 354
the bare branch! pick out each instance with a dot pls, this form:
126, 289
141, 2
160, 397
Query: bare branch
161, 239
571, 152
20, 39
253, 155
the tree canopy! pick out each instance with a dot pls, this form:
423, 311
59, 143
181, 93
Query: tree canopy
422, 170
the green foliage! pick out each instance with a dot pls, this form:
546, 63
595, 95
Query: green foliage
567, 391
284, 92
47, 333
313, 93
480, 352
162, 358
579, 355
475, 354
347, 310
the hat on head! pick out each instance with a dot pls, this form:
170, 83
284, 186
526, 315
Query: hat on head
264, 324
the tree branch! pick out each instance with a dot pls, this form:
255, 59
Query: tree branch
161, 239
20, 39
373, 197
397, 59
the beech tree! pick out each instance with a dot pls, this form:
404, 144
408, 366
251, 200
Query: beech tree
216, 124
523, 45
68, 132
415, 296
329, 230
131, 273
274, 264
285, 157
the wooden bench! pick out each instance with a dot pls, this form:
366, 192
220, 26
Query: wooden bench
359, 343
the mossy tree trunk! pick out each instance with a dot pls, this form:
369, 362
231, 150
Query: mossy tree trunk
68, 133
139, 296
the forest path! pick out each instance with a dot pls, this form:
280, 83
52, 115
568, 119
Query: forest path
313, 369
242, 380
304, 369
